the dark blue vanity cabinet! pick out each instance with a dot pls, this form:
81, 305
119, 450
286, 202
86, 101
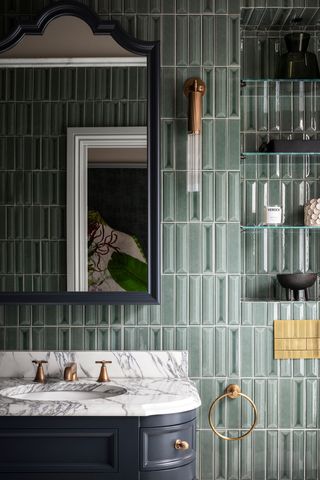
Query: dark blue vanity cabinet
97, 448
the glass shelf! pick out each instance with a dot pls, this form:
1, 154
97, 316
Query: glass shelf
279, 227
273, 80
292, 158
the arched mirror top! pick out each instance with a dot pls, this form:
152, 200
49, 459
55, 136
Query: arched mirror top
70, 29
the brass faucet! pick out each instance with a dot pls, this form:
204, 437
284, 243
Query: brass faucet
40, 375
103, 377
70, 372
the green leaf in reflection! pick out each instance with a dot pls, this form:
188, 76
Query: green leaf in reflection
129, 272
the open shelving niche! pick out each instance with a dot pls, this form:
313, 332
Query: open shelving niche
278, 109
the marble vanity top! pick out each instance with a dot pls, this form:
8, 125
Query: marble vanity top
155, 383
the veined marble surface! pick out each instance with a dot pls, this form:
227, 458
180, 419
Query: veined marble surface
155, 383
129, 364
143, 397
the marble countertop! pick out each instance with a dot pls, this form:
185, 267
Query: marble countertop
155, 383
143, 397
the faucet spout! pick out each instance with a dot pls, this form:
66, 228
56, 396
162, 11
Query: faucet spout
70, 372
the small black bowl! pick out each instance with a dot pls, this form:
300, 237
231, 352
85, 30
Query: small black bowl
296, 282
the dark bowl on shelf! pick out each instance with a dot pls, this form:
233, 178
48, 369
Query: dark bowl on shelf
297, 281
294, 282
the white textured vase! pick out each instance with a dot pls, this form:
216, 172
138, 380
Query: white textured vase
312, 212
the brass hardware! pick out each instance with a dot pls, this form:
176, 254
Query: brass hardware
296, 339
40, 375
181, 445
194, 88
70, 372
232, 391
103, 377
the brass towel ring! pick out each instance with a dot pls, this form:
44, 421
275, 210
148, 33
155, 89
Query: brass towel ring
232, 391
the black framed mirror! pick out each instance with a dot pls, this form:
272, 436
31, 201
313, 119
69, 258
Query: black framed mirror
65, 78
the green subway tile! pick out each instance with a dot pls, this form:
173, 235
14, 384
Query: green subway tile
24, 338
208, 300
285, 463
207, 39
208, 99
221, 299
221, 93
221, 352
195, 206
182, 203
90, 339
234, 40
182, 41
194, 347
298, 457
130, 314
167, 144
169, 338
195, 253
182, 74
194, 40
182, 6
155, 338
143, 315
207, 144
155, 315
233, 92
168, 40
208, 248
221, 195
64, 338
208, 196
168, 100
77, 339
38, 335
221, 40
234, 143
234, 287
208, 352
116, 315
51, 338
272, 455
77, 313
167, 302
311, 460
221, 248
194, 300
221, 6
220, 146
11, 315
259, 461
169, 248
246, 352
168, 201
220, 464
116, 338
234, 344
182, 300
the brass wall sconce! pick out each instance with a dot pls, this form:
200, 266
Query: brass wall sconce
194, 89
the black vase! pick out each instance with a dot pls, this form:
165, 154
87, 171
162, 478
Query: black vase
297, 62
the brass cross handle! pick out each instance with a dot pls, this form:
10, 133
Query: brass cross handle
40, 376
233, 391
103, 377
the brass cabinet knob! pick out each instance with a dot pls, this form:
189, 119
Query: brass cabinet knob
103, 377
181, 445
40, 376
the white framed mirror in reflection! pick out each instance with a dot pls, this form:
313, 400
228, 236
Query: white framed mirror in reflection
89, 80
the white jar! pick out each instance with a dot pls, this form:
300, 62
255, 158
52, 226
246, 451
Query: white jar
272, 215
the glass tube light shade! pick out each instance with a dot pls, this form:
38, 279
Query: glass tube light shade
194, 89
194, 162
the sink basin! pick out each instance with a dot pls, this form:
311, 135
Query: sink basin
61, 392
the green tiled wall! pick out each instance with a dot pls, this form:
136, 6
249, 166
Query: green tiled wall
228, 340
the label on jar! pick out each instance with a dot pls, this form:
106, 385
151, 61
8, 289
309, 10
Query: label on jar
272, 215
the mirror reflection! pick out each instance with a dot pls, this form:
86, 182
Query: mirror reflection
40, 98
